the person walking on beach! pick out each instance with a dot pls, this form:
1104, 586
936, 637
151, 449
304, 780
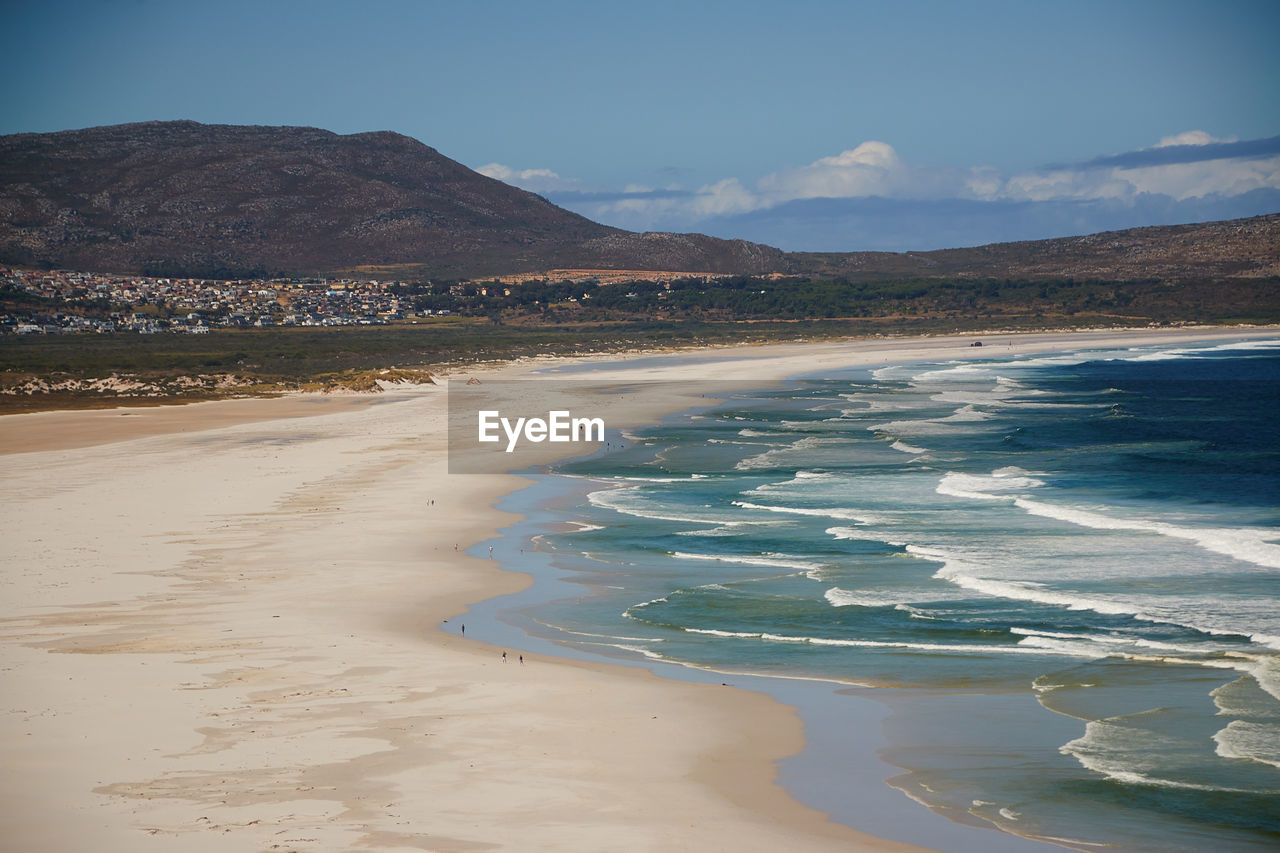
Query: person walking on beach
504, 657
464, 630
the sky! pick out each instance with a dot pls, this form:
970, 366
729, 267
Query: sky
805, 124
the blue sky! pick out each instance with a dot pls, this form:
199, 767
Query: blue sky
804, 124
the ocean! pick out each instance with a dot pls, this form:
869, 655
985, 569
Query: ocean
1058, 573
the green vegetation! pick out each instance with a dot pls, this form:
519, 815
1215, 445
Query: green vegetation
492, 322
947, 301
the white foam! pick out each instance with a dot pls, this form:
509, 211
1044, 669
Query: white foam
1237, 698
838, 597
965, 576
1128, 754
917, 427
1119, 752
886, 372
1246, 544
1079, 648
1129, 777
878, 403
1042, 685
1031, 632
915, 612
803, 426
659, 600
765, 636
1120, 647
959, 372
730, 528
578, 633
661, 479
776, 561
640, 650
1241, 543
908, 448
1009, 384
837, 513
965, 486
1168, 647
965, 414
859, 535
1115, 645
997, 396
1252, 741
1030, 591
995, 487
1266, 671
1168, 354
716, 633
770, 458
622, 501
1051, 361
1248, 345
801, 477
1261, 639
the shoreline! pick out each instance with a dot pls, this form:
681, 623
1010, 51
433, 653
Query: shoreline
284, 564
828, 709
223, 673
814, 699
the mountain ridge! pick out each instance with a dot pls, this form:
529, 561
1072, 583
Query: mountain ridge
184, 198
181, 196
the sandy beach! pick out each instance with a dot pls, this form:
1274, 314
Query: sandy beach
232, 626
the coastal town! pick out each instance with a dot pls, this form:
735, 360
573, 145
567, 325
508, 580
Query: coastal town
61, 302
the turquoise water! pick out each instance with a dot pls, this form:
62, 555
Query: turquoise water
1060, 573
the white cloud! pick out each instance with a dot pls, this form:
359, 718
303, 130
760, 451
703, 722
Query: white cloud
982, 182
1208, 177
1220, 176
1192, 137
1065, 185
534, 180
874, 169
871, 168
724, 197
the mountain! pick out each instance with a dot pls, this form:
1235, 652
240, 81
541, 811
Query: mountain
182, 197
1233, 249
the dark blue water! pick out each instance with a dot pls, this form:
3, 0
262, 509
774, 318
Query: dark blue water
1061, 573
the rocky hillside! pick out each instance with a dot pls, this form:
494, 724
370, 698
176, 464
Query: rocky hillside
181, 197
1234, 249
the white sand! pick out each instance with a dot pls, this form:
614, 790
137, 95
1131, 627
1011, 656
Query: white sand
223, 634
